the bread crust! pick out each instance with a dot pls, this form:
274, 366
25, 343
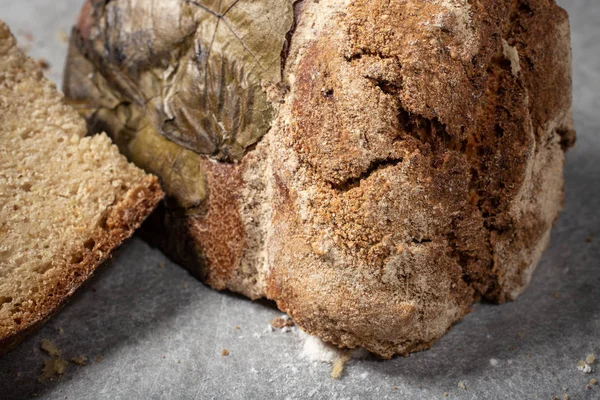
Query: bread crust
414, 167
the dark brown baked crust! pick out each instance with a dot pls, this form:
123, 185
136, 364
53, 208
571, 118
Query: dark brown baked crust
120, 223
414, 167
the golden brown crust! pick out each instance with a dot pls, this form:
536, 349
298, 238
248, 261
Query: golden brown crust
415, 166
121, 221
428, 178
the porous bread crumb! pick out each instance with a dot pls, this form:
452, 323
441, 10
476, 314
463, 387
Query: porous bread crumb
80, 360
338, 365
462, 385
53, 367
225, 352
49, 348
66, 200
593, 381
590, 359
566, 397
282, 322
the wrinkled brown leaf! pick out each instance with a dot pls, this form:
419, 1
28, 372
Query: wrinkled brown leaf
189, 71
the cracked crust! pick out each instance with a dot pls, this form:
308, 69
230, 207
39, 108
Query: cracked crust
414, 167
431, 174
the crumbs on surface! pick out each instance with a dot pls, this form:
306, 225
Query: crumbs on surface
43, 63
53, 367
282, 322
462, 385
225, 352
338, 365
50, 348
80, 360
99, 359
590, 359
62, 36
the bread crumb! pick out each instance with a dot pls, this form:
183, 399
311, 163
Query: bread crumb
185, 285
161, 265
566, 397
584, 367
225, 353
590, 359
49, 348
43, 63
80, 360
556, 295
593, 381
338, 365
61, 331
99, 359
494, 362
237, 327
395, 388
282, 322
53, 367
589, 238
445, 394
62, 36
462, 385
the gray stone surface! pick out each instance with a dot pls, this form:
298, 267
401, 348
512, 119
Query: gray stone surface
160, 333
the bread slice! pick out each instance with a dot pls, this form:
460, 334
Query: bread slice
66, 200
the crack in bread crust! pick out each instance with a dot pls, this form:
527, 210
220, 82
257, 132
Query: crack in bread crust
347, 218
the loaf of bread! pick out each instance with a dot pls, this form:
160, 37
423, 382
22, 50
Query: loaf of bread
66, 201
373, 166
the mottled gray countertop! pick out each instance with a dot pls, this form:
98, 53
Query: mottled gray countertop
160, 333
